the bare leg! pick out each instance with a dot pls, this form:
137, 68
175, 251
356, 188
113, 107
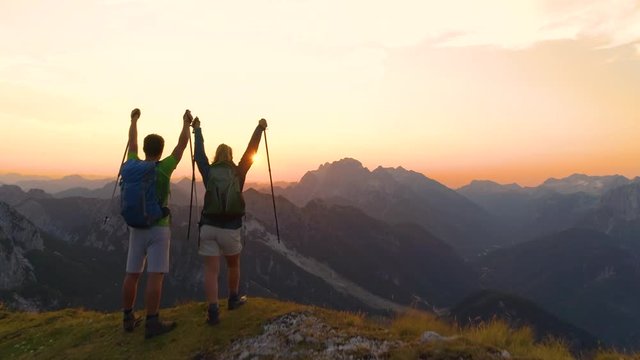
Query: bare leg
153, 292
233, 263
129, 290
211, 272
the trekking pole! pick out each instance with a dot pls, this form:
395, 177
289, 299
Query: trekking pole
193, 182
273, 196
113, 194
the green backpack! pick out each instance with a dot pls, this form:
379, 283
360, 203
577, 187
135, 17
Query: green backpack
223, 195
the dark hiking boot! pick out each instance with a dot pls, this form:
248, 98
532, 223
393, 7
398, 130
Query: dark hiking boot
130, 321
213, 317
154, 327
236, 301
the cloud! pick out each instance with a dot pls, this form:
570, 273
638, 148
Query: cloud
522, 24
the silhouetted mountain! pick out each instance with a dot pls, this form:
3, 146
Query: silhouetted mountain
104, 192
181, 190
400, 196
486, 305
618, 214
14, 195
13, 178
584, 276
484, 187
52, 186
527, 213
594, 185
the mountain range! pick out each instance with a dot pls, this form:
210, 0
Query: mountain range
356, 239
397, 195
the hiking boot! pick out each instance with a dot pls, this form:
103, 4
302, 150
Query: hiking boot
130, 321
213, 317
236, 301
213, 314
154, 327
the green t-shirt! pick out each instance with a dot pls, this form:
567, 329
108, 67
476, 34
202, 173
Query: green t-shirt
163, 181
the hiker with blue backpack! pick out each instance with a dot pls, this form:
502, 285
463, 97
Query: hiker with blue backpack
145, 187
222, 213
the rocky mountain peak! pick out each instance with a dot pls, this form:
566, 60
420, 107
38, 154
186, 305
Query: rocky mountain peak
596, 185
488, 186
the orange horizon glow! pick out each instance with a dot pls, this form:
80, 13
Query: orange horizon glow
451, 176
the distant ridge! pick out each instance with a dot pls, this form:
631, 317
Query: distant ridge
596, 185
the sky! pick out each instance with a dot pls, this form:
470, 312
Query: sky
510, 91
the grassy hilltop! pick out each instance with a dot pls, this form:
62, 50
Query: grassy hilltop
267, 329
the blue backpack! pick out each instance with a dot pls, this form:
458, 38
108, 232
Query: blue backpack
139, 203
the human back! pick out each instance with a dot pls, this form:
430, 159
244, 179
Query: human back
223, 196
140, 204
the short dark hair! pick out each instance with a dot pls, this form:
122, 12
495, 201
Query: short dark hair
153, 145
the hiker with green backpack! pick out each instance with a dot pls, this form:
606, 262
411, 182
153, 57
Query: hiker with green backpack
145, 187
222, 213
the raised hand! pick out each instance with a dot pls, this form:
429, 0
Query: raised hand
196, 123
135, 114
263, 123
187, 118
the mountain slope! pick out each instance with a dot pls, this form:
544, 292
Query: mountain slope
400, 196
400, 262
18, 236
486, 305
618, 214
583, 276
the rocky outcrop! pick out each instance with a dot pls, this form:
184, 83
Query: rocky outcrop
304, 336
17, 236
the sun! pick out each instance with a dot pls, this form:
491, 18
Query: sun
255, 157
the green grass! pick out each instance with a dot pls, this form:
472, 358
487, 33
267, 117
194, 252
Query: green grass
486, 341
80, 334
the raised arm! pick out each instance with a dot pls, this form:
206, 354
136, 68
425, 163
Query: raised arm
199, 154
133, 132
247, 159
183, 140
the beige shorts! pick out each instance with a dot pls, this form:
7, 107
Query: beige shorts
151, 246
215, 241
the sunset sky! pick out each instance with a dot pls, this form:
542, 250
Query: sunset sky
512, 91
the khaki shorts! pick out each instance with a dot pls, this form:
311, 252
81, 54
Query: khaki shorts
215, 241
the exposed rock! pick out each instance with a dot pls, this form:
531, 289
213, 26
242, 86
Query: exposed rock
17, 236
303, 336
431, 336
